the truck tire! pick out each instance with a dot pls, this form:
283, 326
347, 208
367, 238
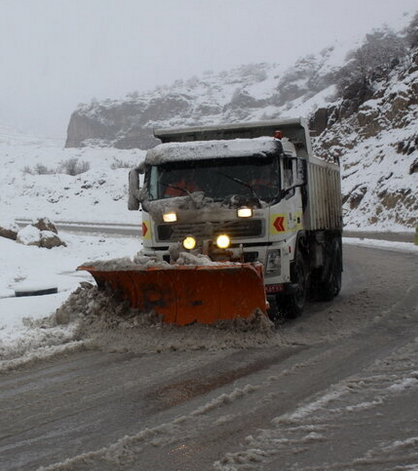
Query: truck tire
331, 286
295, 302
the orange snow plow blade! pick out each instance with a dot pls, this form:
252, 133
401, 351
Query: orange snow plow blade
185, 294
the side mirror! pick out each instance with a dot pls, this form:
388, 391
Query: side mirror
141, 167
301, 173
133, 190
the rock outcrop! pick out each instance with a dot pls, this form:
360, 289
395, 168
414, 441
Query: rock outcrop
9, 230
41, 233
248, 93
377, 146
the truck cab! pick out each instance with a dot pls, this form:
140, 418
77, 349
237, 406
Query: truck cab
249, 192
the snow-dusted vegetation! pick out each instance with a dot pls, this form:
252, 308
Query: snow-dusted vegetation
41, 178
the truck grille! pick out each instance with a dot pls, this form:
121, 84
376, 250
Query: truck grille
235, 230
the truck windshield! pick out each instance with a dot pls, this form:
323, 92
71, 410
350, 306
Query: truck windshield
219, 179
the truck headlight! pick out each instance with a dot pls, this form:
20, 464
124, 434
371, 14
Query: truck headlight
189, 243
244, 212
170, 217
223, 241
273, 263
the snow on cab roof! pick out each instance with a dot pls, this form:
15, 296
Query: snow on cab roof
201, 150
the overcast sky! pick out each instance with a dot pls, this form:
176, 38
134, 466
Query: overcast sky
57, 53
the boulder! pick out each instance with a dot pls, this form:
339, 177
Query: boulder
9, 230
32, 235
44, 224
29, 235
50, 239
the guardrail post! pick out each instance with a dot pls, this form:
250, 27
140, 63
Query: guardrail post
416, 235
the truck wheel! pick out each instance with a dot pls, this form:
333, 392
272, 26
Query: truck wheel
275, 312
296, 301
331, 287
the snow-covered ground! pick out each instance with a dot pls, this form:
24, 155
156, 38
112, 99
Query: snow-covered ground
21, 333
29, 267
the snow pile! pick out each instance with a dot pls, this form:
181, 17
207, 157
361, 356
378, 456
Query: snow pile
382, 244
111, 325
142, 262
27, 330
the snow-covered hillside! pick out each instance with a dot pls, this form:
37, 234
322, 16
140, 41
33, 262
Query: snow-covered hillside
248, 93
377, 147
35, 181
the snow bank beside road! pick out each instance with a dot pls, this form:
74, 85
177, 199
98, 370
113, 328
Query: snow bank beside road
382, 244
33, 266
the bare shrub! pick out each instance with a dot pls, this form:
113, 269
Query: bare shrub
379, 54
412, 32
73, 166
119, 163
39, 169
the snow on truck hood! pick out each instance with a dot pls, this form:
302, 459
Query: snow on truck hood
201, 150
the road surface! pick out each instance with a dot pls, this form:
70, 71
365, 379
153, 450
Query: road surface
336, 389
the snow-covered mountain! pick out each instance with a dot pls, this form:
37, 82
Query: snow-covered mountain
248, 93
362, 104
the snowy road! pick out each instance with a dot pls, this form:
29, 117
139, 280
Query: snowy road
336, 389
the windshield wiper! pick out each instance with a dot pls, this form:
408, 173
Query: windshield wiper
241, 182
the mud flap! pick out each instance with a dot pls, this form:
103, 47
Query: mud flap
185, 294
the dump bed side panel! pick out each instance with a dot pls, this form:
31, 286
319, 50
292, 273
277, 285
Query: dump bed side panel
324, 197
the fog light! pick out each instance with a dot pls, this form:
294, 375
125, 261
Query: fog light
189, 243
244, 212
223, 241
170, 217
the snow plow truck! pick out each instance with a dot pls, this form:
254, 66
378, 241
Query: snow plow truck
236, 218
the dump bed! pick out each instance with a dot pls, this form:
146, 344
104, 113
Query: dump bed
323, 209
296, 130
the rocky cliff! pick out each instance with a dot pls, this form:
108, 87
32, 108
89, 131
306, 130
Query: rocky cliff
377, 146
247, 93
362, 104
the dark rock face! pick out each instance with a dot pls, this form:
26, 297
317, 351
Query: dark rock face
8, 233
50, 240
248, 93
124, 125
44, 224
377, 127
321, 119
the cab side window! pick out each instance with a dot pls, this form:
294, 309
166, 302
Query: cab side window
288, 176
